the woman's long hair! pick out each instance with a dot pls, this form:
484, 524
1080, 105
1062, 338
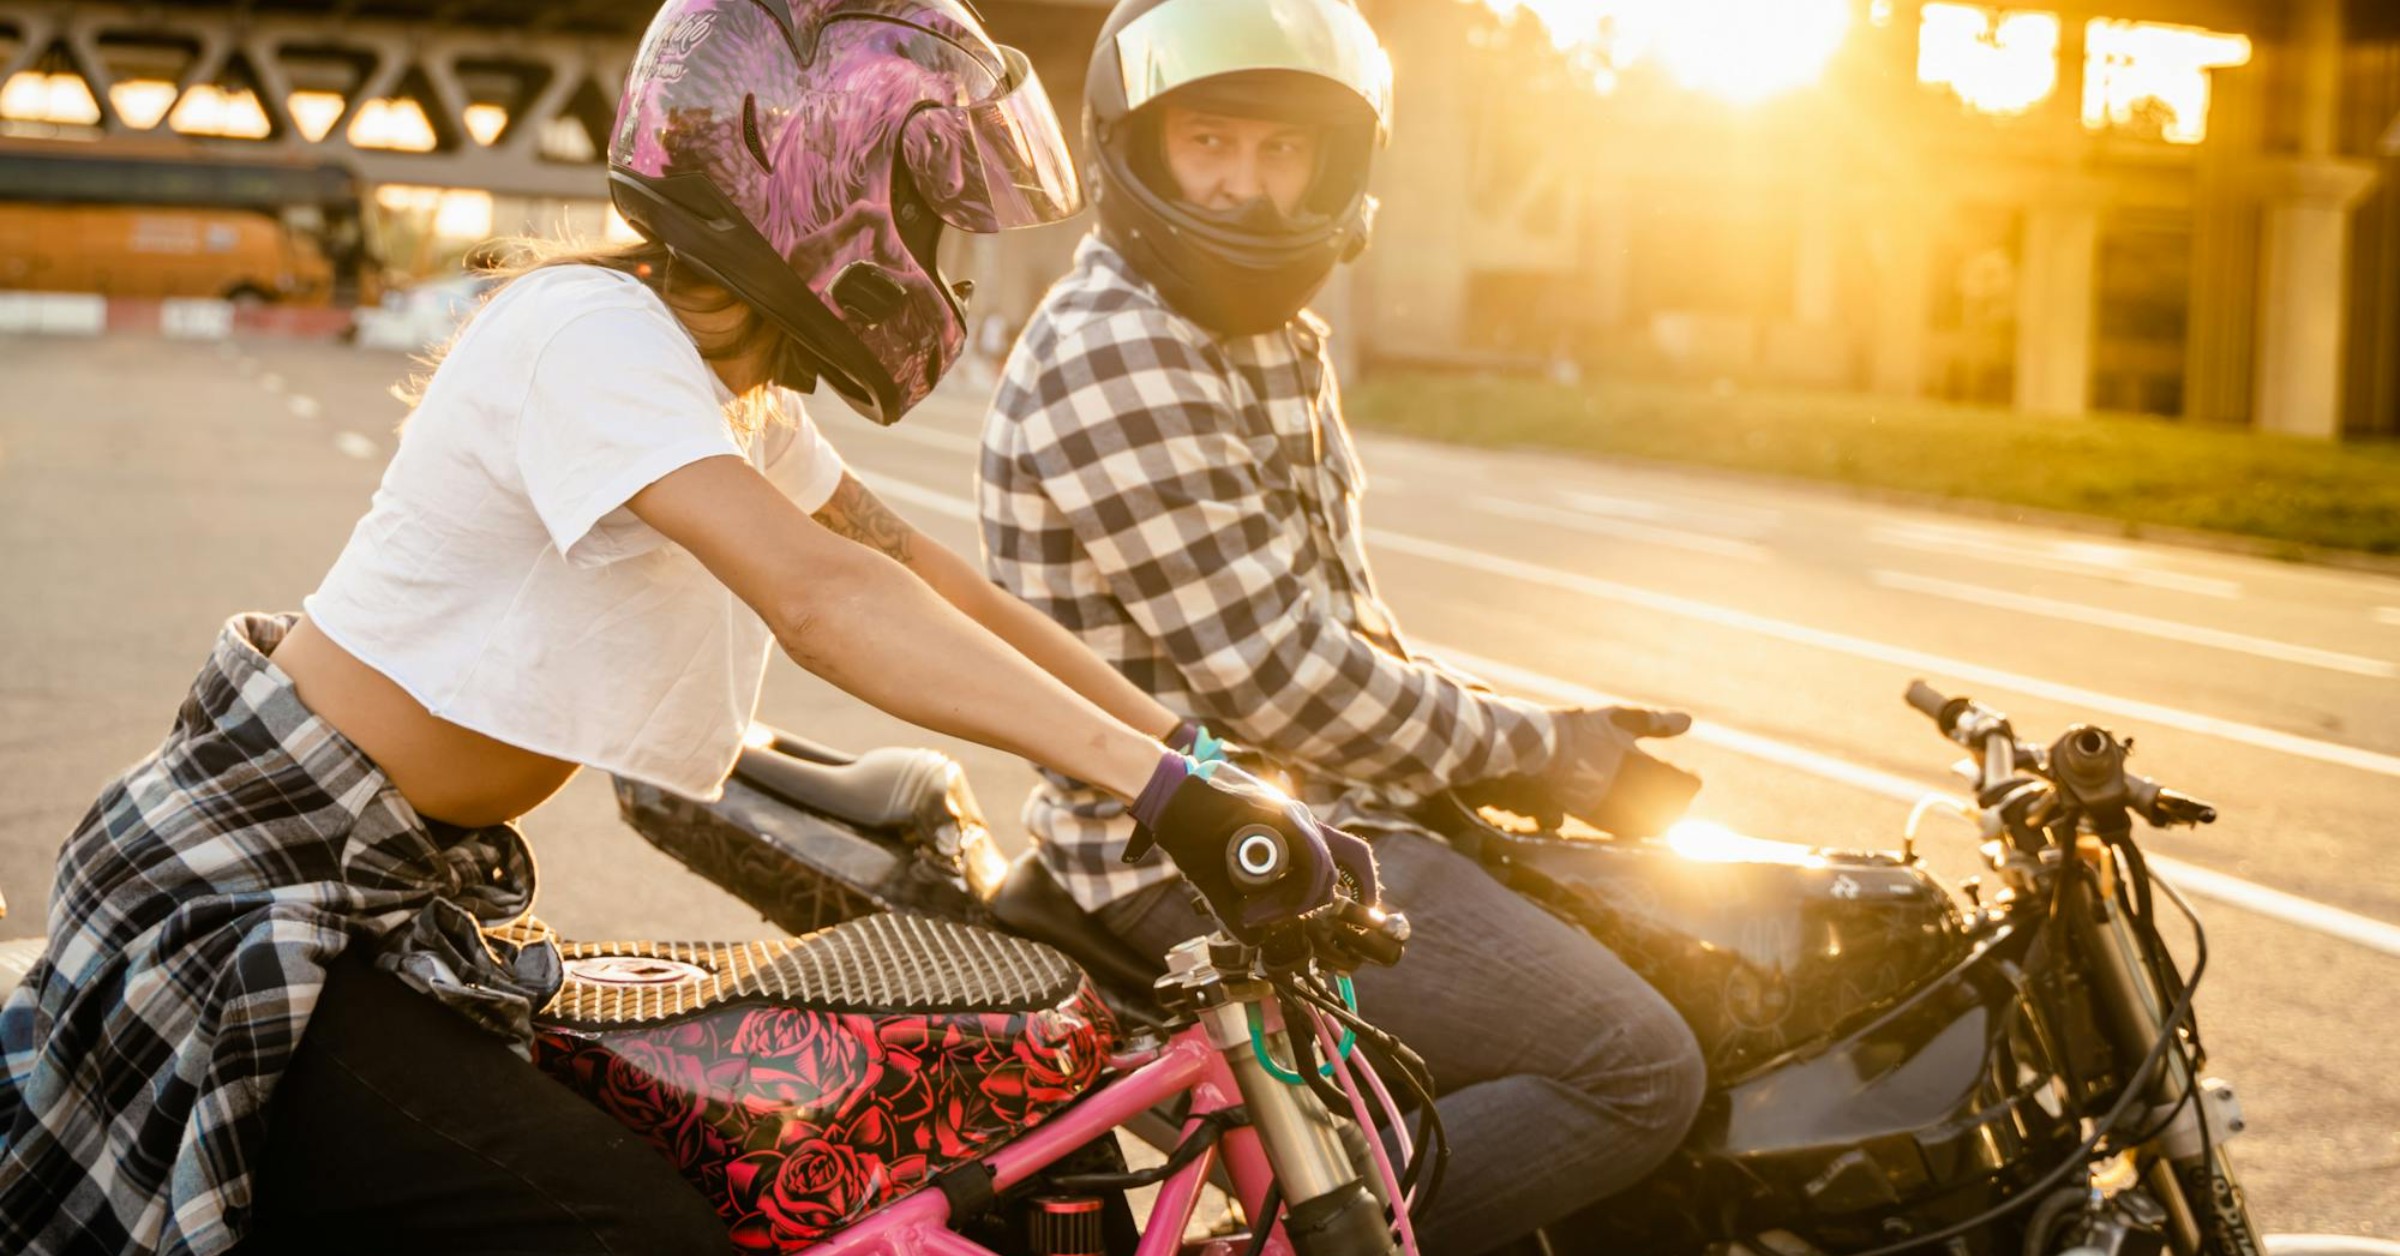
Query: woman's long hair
650, 262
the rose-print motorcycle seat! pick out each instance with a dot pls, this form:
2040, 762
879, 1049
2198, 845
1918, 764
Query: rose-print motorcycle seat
802, 1083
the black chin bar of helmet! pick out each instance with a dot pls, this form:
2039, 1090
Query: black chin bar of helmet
692, 217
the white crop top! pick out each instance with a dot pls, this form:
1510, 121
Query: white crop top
498, 577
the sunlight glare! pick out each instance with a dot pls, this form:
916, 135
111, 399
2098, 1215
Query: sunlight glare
208, 109
33, 96
2129, 64
142, 103
314, 113
465, 214
486, 122
1997, 61
398, 124
1709, 842
1739, 50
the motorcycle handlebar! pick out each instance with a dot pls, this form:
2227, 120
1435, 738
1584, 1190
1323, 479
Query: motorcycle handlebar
1927, 699
1970, 725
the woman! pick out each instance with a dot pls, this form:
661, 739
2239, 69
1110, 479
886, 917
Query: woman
270, 1014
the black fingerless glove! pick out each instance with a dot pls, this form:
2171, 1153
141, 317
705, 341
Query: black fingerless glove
1257, 857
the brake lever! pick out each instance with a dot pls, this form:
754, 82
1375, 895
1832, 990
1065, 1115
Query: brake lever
1351, 934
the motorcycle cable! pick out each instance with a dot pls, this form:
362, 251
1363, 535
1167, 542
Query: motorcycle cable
2080, 1158
1389, 1055
2190, 1047
2208, 1160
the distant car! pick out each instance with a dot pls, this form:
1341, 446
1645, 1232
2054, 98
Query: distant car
422, 316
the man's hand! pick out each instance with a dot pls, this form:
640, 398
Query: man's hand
1601, 775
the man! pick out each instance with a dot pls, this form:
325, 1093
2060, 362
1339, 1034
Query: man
1166, 472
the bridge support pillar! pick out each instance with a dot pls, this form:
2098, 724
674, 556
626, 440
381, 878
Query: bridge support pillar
2055, 295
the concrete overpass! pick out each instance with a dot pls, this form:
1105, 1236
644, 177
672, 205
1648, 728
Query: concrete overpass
1866, 235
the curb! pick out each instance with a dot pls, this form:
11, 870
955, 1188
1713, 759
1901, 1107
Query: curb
176, 318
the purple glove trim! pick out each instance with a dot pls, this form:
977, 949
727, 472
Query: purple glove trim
1170, 773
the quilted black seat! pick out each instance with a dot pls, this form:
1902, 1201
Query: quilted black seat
875, 964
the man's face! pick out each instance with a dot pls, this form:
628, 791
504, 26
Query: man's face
1219, 162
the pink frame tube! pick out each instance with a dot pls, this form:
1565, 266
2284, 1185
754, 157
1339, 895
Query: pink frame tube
918, 1224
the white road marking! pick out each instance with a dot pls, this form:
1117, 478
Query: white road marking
1857, 647
357, 446
2074, 558
2288, 908
271, 382
1916, 660
2122, 621
1624, 529
2275, 904
2388, 615
306, 406
1705, 516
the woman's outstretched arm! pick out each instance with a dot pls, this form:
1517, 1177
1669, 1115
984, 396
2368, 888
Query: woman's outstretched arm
857, 513
856, 617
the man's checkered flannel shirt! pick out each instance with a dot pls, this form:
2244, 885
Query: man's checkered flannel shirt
1188, 506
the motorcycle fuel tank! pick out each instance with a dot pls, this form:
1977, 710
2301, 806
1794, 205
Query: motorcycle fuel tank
1765, 947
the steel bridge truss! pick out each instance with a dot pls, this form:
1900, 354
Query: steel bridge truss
556, 88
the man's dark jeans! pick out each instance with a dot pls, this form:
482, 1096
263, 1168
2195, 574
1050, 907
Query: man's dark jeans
1563, 1076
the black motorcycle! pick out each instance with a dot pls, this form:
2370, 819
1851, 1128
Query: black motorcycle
1894, 1067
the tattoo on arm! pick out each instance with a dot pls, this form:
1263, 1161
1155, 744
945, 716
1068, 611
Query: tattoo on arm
860, 515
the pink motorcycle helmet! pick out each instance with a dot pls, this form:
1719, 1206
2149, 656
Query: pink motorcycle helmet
806, 154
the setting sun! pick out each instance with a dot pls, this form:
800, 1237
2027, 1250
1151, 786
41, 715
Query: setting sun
1740, 50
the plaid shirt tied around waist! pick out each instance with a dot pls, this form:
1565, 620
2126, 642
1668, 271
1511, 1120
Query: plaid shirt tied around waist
1188, 505
195, 910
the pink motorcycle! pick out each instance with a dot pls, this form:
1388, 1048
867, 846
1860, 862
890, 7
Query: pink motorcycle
920, 1087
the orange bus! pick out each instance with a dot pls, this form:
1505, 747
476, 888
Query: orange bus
183, 221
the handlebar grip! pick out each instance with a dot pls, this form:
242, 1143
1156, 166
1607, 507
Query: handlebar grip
1257, 857
1927, 699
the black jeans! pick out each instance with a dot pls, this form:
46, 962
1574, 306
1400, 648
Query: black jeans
1563, 1076
402, 1128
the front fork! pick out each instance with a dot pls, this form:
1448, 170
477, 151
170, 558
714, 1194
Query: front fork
2189, 1171
1328, 1209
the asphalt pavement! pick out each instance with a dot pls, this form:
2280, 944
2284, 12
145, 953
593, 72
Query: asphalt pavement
150, 488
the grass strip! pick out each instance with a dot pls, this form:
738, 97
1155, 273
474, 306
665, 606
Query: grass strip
2134, 469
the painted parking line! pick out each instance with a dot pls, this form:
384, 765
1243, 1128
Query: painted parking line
2145, 625
306, 406
1920, 661
2073, 558
2289, 908
1625, 529
2250, 896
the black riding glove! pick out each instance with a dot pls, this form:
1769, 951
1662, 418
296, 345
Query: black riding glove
1600, 775
1259, 858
